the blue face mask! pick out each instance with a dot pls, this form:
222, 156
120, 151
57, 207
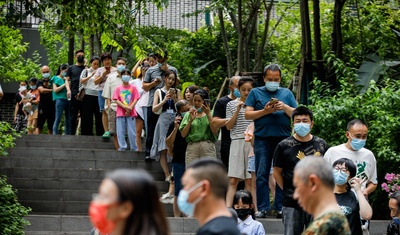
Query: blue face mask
302, 129
396, 220
236, 93
186, 207
126, 78
199, 110
64, 74
45, 75
339, 177
272, 86
120, 67
183, 114
357, 144
33, 87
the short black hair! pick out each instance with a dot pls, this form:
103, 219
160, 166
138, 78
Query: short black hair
94, 58
80, 50
126, 71
396, 196
61, 67
34, 80
272, 67
165, 54
121, 58
243, 80
202, 93
355, 121
302, 110
105, 55
349, 164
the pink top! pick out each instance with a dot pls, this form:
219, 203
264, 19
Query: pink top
126, 94
248, 135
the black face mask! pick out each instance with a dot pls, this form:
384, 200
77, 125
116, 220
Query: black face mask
80, 59
243, 213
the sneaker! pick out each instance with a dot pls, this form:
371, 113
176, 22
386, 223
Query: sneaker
148, 159
106, 135
279, 214
261, 214
167, 198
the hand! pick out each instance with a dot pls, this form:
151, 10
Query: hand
193, 113
167, 97
128, 109
279, 106
269, 107
356, 184
206, 108
239, 105
94, 72
177, 121
127, 113
105, 73
157, 81
164, 67
69, 95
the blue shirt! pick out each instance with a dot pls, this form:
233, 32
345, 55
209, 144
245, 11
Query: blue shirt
276, 124
250, 227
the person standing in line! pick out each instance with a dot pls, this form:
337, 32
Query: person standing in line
100, 79
314, 184
114, 80
287, 154
19, 115
73, 76
151, 82
270, 107
61, 96
47, 107
203, 197
90, 103
219, 119
239, 149
126, 97
34, 114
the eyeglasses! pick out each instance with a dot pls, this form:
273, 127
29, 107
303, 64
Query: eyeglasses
343, 170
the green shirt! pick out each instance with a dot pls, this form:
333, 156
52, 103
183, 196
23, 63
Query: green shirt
61, 94
200, 129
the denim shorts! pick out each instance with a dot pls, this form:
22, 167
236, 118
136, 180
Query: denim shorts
251, 166
102, 100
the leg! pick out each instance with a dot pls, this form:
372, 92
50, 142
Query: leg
293, 221
261, 160
152, 119
86, 116
131, 128
164, 163
121, 126
51, 116
254, 190
98, 117
104, 115
224, 151
59, 111
272, 184
68, 116
112, 126
139, 128
74, 110
179, 170
233, 182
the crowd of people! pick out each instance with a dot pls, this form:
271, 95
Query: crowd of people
266, 142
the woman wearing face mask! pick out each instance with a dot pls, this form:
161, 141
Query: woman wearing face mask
19, 115
244, 207
198, 130
164, 99
33, 116
352, 203
127, 204
394, 206
61, 96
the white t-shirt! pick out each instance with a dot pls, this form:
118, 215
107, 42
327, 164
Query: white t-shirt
364, 160
138, 107
241, 124
113, 80
90, 87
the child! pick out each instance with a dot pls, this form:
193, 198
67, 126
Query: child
244, 207
26, 101
126, 97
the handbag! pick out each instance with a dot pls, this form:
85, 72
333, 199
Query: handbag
81, 95
160, 99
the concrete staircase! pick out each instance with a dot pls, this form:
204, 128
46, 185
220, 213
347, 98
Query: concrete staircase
56, 176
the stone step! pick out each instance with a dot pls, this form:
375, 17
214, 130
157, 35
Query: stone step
63, 138
61, 224
26, 143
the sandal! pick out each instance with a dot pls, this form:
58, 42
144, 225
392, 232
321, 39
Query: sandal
106, 135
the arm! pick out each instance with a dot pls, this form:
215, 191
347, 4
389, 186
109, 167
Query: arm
277, 173
84, 79
219, 118
369, 189
59, 88
136, 66
156, 101
230, 123
286, 108
171, 138
207, 111
251, 114
148, 85
365, 208
16, 111
43, 90
186, 129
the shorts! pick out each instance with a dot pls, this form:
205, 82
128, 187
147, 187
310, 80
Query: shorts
101, 100
34, 115
112, 126
178, 169
238, 159
198, 150
251, 165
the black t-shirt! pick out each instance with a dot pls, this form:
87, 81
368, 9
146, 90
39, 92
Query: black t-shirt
220, 111
45, 98
180, 145
74, 74
287, 154
348, 203
220, 226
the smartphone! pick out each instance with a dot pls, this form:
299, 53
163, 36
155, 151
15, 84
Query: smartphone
171, 90
273, 101
362, 176
207, 102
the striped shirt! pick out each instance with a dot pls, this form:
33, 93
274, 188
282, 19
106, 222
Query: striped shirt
237, 132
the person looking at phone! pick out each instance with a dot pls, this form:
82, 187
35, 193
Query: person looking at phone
272, 125
352, 203
100, 79
198, 130
151, 82
393, 227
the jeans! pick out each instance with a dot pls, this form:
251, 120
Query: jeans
179, 170
62, 105
152, 119
123, 124
89, 110
264, 148
294, 220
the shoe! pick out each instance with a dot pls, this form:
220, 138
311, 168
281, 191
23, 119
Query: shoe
148, 159
167, 198
279, 214
261, 214
169, 179
106, 135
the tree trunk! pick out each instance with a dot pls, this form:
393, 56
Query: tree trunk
91, 45
71, 47
225, 42
268, 9
306, 51
317, 40
240, 32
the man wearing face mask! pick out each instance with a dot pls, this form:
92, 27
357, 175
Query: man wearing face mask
73, 76
113, 80
287, 154
203, 197
151, 82
47, 109
353, 149
270, 107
